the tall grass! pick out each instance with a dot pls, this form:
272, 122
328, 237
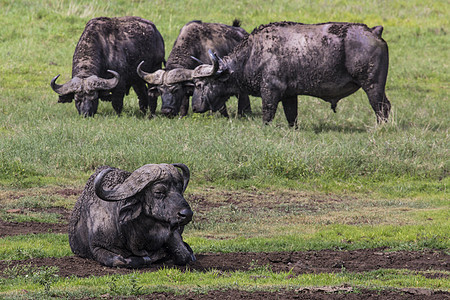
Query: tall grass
42, 142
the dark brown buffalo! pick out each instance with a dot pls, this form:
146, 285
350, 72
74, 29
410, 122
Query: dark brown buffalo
190, 48
131, 220
105, 61
279, 61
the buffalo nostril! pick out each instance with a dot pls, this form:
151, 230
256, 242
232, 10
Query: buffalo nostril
185, 215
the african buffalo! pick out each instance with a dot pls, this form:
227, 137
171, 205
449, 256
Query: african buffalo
281, 60
131, 220
189, 49
105, 60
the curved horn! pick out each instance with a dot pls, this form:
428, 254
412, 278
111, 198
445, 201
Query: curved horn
152, 78
115, 80
178, 75
99, 191
96, 83
135, 183
67, 88
186, 174
207, 70
214, 60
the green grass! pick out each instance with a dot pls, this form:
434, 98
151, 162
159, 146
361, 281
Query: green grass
34, 246
340, 181
200, 282
31, 217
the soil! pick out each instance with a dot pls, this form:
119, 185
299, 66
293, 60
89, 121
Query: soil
305, 293
324, 261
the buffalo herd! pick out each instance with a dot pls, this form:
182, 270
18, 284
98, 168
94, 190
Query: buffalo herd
211, 62
125, 219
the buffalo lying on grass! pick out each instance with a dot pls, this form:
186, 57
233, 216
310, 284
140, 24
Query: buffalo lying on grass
194, 40
131, 220
105, 61
279, 61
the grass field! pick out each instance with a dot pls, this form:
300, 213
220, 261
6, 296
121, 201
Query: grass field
337, 182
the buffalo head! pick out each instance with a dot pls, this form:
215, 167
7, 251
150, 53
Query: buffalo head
173, 86
212, 88
85, 91
162, 187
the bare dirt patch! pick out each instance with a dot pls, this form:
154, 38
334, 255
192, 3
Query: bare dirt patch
324, 261
298, 262
308, 293
278, 200
18, 228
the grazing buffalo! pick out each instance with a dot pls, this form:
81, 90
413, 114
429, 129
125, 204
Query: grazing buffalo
189, 50
279, 61
131, 220
105, 61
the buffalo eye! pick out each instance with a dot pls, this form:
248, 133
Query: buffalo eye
159, 191
199, 85
173, 88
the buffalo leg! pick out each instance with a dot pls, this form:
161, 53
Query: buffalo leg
117, 101
269, 108
182, 254
244, 106
223, 111
152, 103
379, 102
290, 106
108, 258
141, 92
184, 106
374, 85
111, 259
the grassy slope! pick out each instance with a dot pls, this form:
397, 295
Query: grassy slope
400, 166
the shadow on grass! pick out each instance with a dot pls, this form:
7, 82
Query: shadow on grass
330, 127
254, 116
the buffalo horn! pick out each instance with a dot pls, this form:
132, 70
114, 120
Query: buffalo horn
135, 183
97, 83
214, 60
207, 70
178, 75
155, 78
67, 88
186, 174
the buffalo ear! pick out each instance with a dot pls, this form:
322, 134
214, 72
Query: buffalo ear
130, 211
153, 91
224, 76
66, 98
